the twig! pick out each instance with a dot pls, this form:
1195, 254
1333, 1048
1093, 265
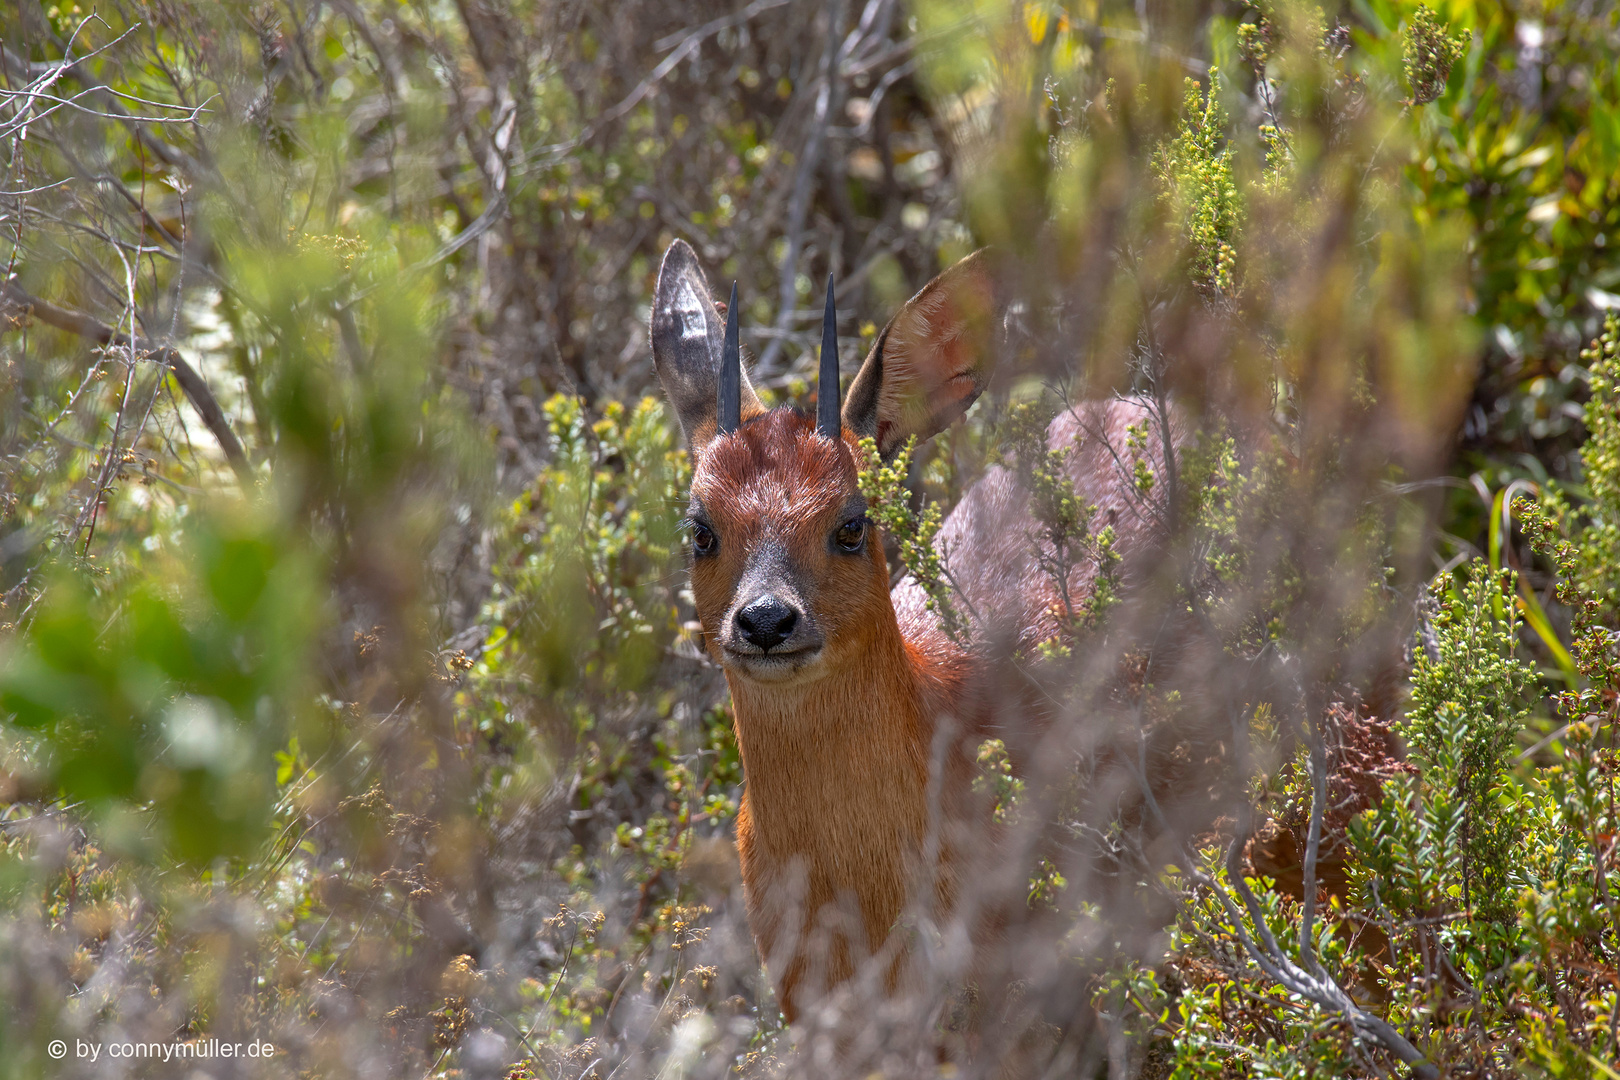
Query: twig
871, 30
875, 99
799, 205
30, 118
77, 69
1313, 840
688, 37
52, 186
1146, 506
93, 504
1314, 985
196, 390
685, 47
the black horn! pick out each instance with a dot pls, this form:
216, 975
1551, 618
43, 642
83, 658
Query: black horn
729, 414
828, 392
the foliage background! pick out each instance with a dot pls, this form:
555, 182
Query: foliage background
351, 698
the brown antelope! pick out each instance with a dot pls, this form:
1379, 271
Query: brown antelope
848, 696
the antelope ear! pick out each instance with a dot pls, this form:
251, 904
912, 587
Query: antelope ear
933, 359
687, 338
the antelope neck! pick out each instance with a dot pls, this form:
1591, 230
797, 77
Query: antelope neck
838, 768
837, 801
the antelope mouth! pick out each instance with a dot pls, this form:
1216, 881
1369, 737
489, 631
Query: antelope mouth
775, 665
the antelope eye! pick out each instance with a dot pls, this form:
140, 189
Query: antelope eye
704, 541
851, 535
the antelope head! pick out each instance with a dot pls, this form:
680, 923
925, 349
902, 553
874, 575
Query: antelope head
788, 571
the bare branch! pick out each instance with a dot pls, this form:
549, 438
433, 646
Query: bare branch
196, 390
798, 207
686, 45
1316, 986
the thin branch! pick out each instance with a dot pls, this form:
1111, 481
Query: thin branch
196, 390
686, 45
92, 510
1314, 985
1313, 840
28, 118
799, 205
1147, 507
54, 184
1269, 956
77, 69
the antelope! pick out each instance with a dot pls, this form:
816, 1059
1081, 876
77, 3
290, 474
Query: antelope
856, 714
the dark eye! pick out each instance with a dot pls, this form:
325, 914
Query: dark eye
703, 539
851, 535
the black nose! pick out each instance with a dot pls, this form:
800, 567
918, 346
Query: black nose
766, 622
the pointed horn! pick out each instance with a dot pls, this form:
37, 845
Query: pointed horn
829, 394
729, 414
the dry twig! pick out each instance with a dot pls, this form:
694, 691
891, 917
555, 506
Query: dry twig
196, 390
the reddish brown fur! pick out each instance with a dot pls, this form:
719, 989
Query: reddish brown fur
988, 534
856, 731
835, 811
835, 816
